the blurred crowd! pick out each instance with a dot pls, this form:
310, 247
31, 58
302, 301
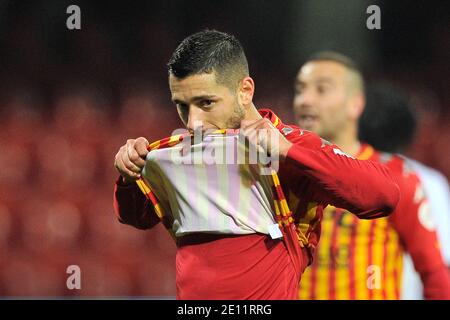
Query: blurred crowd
56, 191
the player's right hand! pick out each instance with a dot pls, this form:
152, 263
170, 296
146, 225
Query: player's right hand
130, 159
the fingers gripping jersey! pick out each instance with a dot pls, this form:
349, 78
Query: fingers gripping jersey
211, 187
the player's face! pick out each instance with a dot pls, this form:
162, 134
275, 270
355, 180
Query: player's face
321, 98
201, 101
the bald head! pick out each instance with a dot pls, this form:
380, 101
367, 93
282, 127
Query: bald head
329, 95
354, 79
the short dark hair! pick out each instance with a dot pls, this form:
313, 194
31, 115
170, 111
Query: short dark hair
388, 122
210, 51
342, 59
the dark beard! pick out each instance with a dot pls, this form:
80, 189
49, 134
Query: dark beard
234, 122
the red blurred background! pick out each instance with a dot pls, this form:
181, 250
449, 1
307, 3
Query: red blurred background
70, 99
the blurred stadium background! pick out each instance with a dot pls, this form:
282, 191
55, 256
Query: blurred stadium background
70, 99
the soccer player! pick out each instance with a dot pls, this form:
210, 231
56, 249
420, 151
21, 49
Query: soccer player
362, 259
388, 123
210, 84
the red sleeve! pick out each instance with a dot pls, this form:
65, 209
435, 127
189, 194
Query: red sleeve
132, 207
363, 187
412, 221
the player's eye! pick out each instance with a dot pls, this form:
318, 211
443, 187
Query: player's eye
322, 89
206, 103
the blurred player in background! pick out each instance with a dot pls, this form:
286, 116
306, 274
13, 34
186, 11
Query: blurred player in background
388, 123
358, 259
210, 85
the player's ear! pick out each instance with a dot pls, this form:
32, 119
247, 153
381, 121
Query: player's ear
357, 106
246, 90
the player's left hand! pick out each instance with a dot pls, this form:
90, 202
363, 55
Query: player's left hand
262, 133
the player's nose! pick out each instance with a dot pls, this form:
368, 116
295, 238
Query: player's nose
306, 100
195, 119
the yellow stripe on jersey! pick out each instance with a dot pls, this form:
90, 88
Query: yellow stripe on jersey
366, 154
143, 186
305, 285
380, 226
305, 222
399, 267
361, 258
303, 226
342, 260
154, 145
323, 256
276, 121
173, 140
392, 264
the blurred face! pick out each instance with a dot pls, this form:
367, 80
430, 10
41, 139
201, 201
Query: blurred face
322, 102
201, 101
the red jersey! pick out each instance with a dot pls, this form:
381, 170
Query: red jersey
362, 259
313, 175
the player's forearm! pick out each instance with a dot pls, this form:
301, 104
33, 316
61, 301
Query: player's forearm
436, 284
362, 187
131, 206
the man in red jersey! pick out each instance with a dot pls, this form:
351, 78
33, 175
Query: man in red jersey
359, 259
242, 257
